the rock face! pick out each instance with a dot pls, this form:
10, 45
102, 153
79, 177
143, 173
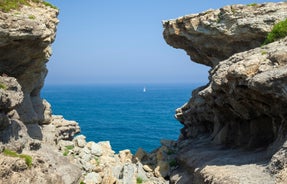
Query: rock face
26, 124
28, 128
215, 35
243, 105
25, 39
234, 127
26, 35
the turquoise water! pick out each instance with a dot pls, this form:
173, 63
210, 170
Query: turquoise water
123, 114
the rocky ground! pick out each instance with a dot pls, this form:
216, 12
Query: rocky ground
234, 127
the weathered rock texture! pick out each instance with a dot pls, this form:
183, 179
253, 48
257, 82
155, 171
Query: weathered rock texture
25, 39
215, 35
28, 127
244, 104
100, 164
26, 124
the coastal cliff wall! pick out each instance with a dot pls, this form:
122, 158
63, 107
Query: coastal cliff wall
25, 47
234, 127
243, 107
26, 34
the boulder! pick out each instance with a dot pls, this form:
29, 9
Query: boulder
80, 141
140, 154
125, 156
93, 178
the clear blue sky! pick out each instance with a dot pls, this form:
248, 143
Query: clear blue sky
120, 41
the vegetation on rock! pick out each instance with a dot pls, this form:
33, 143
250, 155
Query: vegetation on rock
252, 4
7, 5
279, 31
139, 180
49, 4
28, 159
3, 86
67, 149
173, 163
32, 17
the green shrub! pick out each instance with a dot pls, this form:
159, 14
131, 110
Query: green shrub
32, 17
252, 4
97, 161
49, 4
66, 152
279, 31
3, 86
27, 158
67, 149
173, 163
10, 153
139, 180
70, 147
264, 52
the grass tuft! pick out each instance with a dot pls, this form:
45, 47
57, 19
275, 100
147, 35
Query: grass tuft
97, 161
252, 4
279, 31
27, 158
139, 180
32, 17
3, 86
67, 150
264, 52
7, 5
70, 147
49, 5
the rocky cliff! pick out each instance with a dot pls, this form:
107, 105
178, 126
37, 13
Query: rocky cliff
235, 126
26, 38
26, 35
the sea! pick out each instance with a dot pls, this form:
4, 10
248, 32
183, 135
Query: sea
130, 116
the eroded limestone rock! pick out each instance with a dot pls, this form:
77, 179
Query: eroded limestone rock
215, 35
24, 50
243, 105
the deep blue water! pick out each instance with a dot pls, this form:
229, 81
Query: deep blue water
123, 114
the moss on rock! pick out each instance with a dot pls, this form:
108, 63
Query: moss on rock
7, 5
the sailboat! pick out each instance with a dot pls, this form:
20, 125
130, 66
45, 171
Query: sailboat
144, 89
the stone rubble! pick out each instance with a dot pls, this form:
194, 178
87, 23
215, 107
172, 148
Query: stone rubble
100, 164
